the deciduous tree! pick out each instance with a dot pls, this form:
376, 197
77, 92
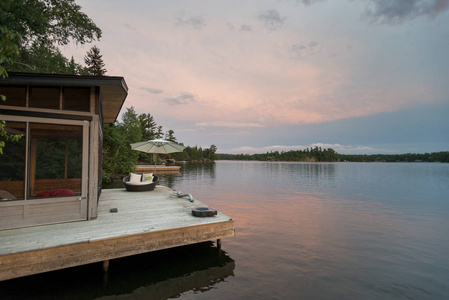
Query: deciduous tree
35, 24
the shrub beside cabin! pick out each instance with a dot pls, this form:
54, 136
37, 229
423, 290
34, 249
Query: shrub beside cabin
53, 173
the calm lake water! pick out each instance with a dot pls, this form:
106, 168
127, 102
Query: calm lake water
303, 231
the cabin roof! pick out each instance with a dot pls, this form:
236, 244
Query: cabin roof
113, 88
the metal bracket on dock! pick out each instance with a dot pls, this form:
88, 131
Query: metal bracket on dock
180, 195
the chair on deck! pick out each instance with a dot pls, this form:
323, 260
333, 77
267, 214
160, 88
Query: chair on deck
138, 182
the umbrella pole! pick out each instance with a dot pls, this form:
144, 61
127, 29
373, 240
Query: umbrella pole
155, 161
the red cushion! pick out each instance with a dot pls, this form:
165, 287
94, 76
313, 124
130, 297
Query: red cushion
56, 193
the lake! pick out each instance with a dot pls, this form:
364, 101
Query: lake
303, 231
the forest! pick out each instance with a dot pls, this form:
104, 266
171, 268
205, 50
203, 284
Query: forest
317, 154
307, 155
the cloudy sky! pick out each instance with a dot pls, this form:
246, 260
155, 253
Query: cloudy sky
359, 76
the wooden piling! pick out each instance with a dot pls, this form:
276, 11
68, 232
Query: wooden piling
106, 265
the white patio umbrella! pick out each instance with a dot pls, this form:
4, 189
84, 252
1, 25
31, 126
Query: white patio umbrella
157, 146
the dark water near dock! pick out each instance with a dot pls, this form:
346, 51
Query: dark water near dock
303, 231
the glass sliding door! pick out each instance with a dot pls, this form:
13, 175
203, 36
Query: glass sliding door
56, 155
43, 176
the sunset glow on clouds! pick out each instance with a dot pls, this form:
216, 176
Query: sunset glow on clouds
249, 75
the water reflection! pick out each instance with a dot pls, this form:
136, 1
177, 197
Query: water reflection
195, 174
156, 275
303, 231
332, 231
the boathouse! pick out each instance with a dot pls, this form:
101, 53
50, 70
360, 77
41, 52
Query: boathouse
53, 173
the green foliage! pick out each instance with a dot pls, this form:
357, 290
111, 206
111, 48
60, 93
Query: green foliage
118, 158
57, 21
74, 68
319, 155
148, 131
196, 154
12, 165
32, 30
408, 157
309, 155
169, 136
9, 48
51, 157
148, 126
94, 62
159, 134
5, 136
45, 58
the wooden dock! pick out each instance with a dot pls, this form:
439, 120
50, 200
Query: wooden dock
160, 169
145, 221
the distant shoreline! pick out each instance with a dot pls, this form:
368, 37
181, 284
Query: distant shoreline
329, 155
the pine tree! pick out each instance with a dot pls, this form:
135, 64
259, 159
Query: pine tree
148, 126
94, 62
169, 136
159, 134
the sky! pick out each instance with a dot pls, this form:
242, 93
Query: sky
358, 76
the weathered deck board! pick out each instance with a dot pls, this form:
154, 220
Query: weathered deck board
145, 221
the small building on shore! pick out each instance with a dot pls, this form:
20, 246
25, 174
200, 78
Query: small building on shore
53, 173
50, 181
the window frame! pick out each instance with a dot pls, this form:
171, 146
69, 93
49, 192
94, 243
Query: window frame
85, 157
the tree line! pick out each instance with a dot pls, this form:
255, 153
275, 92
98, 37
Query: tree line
442, 156
119, 159
31, 32
317, 154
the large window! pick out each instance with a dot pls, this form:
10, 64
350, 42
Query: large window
55, 159
53, 162
12, 163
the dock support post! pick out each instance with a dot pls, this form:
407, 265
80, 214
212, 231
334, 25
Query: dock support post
105, 265
219, 244
105, 273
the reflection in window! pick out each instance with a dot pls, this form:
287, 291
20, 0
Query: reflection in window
56, 160
12, 163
